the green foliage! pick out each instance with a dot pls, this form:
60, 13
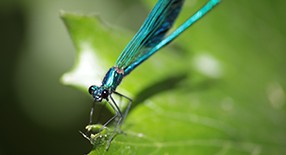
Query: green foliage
209, 96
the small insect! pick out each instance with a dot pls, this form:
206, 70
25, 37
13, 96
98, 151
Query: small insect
150, 38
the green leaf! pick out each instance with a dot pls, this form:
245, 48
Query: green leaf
208, 95
96, 45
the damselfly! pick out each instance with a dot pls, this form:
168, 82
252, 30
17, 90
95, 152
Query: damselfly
150, 38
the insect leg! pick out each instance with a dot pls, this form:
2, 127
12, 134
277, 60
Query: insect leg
113, 117
91, 113
128, 106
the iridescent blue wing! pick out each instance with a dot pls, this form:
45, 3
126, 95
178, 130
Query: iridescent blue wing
152, 32
166, 40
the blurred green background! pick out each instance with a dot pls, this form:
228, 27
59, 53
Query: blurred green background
41, 116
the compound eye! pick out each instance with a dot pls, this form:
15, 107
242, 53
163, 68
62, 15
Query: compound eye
104, 93
91, 89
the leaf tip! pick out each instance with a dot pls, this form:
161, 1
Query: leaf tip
62, 13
